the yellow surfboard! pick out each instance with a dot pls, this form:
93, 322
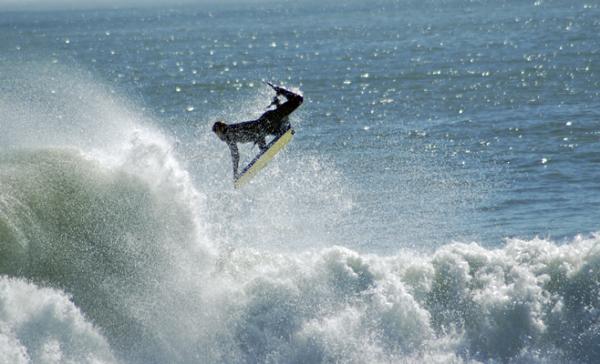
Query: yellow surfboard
261, 160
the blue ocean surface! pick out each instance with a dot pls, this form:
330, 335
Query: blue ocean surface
439, 203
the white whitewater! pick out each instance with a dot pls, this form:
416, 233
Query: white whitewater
112, 252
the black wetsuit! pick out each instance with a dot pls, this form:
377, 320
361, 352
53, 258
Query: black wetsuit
273, 122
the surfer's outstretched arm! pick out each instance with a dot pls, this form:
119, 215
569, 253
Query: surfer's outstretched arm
235, 157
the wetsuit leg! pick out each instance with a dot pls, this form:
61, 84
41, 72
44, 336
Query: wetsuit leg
284, 126
262, 144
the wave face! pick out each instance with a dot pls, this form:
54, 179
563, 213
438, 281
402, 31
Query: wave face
109, 253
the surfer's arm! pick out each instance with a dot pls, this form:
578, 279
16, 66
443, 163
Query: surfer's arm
235, 157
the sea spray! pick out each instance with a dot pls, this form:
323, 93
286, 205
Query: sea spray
101, 210
116, 244
110, 239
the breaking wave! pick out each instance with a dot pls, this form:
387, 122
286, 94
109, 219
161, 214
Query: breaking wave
112, 257
531, 301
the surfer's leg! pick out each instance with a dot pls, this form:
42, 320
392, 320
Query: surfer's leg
262, 145
284, 126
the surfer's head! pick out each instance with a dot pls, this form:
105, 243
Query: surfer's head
219, 129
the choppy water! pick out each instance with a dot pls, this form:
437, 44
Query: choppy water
439, 202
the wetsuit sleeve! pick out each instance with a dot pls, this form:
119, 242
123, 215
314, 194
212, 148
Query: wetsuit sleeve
235, 157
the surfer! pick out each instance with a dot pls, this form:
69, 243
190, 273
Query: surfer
273, 122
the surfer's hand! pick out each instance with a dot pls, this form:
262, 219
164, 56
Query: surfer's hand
278, 90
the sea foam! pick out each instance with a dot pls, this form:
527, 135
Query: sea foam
42, 325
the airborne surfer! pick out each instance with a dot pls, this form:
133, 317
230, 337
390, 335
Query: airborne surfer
273, 122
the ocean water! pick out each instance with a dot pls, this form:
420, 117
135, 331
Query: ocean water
440, 202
